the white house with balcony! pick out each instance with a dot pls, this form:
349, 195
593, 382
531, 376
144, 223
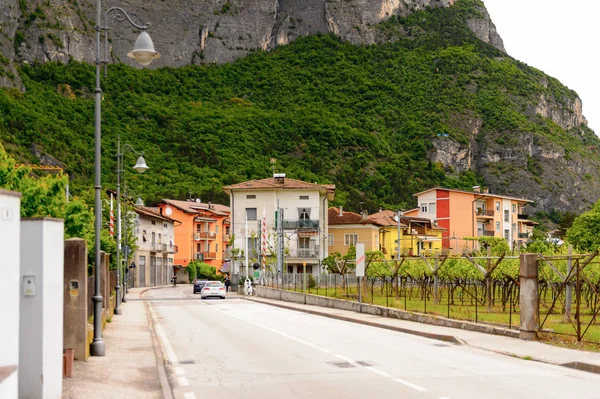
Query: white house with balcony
304, 207
155, 240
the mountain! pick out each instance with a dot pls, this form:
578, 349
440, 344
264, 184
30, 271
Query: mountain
382, 98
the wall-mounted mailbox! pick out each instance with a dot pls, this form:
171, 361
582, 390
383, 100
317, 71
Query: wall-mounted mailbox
29, 285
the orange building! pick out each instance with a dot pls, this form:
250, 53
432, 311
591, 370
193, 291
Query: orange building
203, 233
468, 214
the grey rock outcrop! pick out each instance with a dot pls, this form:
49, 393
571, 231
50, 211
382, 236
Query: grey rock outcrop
485, 30
198, 31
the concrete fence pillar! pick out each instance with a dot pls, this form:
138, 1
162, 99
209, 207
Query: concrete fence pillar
105, 280
10, 224
529, 296
76, 297
41, 308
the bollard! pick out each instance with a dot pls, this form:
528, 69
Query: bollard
528, 297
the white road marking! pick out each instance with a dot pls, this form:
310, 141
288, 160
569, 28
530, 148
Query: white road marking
183, 381
189, 395
410, 384
179, 371
369, 368
183, 295
381, 373
443, 397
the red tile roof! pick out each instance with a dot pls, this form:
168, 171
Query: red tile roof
197, 207
386, 218
153, 213
337, 216
282, 183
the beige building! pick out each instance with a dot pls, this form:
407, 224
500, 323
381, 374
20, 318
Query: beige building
156, 247
349, 228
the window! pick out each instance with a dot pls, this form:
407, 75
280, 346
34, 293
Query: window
497, 226
350, 239
251, 196
514, 228
251, 213
165, 225
217, 248
507, 234
514, 208
159, 238
253, 246
498, 206
226, 229
198, 228
153, 222
432, 207
506, 215
198, 247
304, 197
330, 240
216, 229
144, 236
304, 213
423, 207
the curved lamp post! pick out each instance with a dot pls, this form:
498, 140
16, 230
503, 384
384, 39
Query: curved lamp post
144, 53
140, 167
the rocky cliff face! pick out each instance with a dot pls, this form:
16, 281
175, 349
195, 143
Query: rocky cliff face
198, 31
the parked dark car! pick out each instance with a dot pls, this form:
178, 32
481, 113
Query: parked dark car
198, 285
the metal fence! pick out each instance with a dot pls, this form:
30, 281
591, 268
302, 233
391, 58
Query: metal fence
487, 292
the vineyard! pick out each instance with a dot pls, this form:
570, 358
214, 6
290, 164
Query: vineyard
481, 289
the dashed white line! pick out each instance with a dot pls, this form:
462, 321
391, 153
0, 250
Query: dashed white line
189, 395
410, 384
179, 371
183, 381
379, 372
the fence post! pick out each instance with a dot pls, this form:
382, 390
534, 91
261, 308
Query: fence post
436, 283
529, 296
569, 293
488, 282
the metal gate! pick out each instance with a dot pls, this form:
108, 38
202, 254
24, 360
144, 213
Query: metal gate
142, 268
153, 271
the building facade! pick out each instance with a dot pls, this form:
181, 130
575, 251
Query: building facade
350, 228
203, 231
465, 215
418, 236
254, 204
155, 240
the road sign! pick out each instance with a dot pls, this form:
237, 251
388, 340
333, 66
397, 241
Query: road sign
360, 260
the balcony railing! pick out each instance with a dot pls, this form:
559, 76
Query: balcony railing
158, 247
522, 216
300, 224
209, 255
205, 235
304, 253
485, 233
523, 235
485, 212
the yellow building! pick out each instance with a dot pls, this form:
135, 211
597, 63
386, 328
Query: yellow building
349, 228
418, 236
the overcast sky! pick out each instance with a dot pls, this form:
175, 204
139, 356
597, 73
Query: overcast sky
559, 37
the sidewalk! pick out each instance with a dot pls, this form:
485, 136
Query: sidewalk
129, 369
532, 350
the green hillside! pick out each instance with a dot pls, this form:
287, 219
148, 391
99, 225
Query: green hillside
360, 117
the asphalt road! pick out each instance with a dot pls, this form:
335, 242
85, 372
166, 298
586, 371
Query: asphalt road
235, 348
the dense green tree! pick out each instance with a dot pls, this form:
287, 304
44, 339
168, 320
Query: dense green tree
584, 234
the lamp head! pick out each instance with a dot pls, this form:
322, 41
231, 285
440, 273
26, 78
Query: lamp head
140, 165
143, 50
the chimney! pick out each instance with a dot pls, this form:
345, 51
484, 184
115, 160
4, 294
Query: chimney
477, 189
486, 190
341, 211
279, 178
364, 215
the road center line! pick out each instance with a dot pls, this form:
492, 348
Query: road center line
183, 381
369, 368
189, 395
410, 384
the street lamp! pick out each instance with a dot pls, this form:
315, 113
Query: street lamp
144, 53
140, 167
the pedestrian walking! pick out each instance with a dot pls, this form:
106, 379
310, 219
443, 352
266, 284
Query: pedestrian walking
227, 283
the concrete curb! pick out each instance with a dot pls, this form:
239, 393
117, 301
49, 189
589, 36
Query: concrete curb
165, 385
439, 337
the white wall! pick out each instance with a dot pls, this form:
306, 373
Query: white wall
41, 315
266, 200
10, 227
428, 198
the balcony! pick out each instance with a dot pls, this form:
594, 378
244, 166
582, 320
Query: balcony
485, 233
158, 247
205, 235
485, 213
522, 216
304, 253
202, 256
300, 224
524, 235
